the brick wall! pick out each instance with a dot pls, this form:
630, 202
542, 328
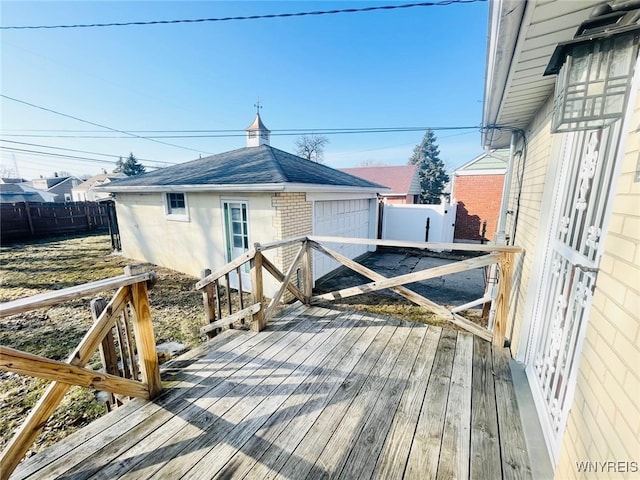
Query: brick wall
294, 217
478, 198
604, 423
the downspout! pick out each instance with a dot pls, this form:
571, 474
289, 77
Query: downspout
501, 236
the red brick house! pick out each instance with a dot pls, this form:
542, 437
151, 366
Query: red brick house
477, 188
403, 180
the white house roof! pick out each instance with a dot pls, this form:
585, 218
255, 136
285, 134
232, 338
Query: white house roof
522, 38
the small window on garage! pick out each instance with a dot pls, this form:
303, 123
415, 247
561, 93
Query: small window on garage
176, 206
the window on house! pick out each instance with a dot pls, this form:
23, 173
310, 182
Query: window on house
176, 206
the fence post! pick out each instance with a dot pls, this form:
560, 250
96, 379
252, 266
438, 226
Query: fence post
87, 214
502, 302
258, 322
145, 339
27, 210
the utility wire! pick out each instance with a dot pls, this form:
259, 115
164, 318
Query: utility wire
247, 17
129, 135
236, 130
61, 155
273, 133
80, 151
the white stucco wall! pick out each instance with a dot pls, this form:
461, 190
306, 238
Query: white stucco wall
186, 246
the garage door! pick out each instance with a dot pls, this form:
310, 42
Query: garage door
340, 218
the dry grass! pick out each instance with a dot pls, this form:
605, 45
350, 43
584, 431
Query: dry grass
27, 269
398, 307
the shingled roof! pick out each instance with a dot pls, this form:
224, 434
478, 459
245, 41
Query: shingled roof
249, 166
401, 179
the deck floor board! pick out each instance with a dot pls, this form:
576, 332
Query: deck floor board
321, 393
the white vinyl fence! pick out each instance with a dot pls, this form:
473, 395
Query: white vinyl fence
419, 223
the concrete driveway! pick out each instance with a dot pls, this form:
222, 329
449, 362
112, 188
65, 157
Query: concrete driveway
455, 289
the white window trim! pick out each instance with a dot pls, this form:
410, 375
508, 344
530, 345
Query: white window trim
175, 216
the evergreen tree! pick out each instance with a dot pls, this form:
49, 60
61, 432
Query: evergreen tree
132, 167
433, 176
119, 166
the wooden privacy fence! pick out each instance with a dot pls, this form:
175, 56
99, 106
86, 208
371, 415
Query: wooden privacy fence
126, 376
498, 258
31, 219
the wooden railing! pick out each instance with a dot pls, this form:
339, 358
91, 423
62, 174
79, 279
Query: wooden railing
130, 302
259, 311
499, 259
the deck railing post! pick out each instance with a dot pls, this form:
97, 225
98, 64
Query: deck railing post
258, 322
145, 339
208, 300
307, 273
502, 301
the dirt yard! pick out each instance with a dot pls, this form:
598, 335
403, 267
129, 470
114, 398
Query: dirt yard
36, 267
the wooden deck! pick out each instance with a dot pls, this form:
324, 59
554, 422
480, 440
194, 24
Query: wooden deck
320, 393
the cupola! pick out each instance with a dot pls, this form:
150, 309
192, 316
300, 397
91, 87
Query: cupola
257, 133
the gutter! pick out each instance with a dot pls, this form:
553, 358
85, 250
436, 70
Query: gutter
263, 187
505, 21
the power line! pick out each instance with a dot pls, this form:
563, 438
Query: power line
274, 133
247, 17
61, 155
129, 135
236, 130
81, 151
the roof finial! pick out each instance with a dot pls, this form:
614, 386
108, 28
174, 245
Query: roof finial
258, 106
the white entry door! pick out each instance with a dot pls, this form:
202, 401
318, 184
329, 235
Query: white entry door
583, 192
236, 223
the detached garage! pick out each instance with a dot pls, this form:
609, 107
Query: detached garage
204, 213
344, 217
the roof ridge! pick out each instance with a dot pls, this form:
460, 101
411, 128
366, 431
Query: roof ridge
276, 161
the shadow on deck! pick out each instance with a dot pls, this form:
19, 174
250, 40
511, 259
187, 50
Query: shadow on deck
320, 393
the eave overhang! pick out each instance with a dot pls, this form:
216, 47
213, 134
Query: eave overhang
522, 38
253, 188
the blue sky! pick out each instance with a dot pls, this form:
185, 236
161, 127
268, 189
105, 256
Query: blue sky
415, 67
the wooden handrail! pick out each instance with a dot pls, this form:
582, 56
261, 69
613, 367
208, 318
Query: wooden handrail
228, 268
57, 296
466, 247
279, 243
36, 366
434, 272
501, 255
132, 291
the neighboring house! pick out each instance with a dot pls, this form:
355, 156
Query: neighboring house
21, 192
203, 213
86, 191
13, 180
61, 186
573, 205
402, 180
477, 190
